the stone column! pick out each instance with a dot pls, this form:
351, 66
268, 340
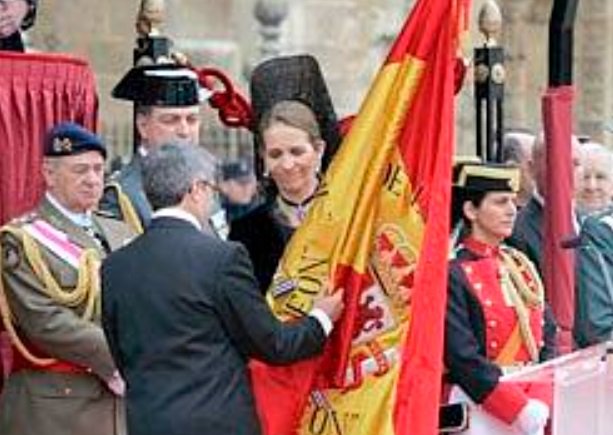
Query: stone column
270, 14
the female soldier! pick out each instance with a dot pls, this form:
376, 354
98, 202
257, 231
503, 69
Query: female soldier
495, 306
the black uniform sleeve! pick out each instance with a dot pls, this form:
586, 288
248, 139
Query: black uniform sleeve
465, 359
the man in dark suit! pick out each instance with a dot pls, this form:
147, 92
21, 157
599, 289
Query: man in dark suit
529, 227
183, 313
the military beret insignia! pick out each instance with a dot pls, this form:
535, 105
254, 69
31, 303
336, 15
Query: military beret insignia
68, 138
62, 145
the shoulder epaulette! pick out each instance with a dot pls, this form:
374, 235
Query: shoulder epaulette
106, 214
24, 219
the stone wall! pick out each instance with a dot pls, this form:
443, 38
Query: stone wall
349, 37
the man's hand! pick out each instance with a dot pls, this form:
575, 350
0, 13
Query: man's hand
12, 14
116, 384
332, 305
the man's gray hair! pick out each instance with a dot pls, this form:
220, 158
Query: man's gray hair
170, 171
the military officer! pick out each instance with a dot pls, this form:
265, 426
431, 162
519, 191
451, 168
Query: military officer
63, 380
167, 99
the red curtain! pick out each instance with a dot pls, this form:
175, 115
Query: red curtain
36, 92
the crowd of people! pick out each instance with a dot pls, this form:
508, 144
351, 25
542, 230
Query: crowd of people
167, 352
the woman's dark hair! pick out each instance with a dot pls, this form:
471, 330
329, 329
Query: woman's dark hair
459, 196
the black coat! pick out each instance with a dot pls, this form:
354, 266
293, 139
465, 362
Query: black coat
183, 314
265, 238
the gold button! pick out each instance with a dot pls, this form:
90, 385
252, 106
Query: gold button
67, 391
494, 344
488, 303
492, 323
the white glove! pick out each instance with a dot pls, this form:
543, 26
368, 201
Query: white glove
116, 384
532, 418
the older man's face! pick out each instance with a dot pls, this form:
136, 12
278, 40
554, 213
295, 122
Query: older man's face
76, 181
595, 183
165, 125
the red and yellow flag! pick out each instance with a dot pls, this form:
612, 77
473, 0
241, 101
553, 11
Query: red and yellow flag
379, 229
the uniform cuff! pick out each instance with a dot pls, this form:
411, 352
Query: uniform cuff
505, 402
323, 319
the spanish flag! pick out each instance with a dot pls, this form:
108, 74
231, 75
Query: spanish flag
379, 229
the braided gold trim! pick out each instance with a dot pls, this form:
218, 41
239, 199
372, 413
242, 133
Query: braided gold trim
522, 296
87, 289
128, 212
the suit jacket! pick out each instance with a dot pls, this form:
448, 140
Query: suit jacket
183, 314
594, 300
265, 238
528, 232
130, 179
38, 402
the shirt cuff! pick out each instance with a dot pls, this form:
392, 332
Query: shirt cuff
323, 319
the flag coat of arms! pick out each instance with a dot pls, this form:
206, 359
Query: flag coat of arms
378, 228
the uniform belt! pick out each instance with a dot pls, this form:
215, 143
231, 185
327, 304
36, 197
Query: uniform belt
59, 366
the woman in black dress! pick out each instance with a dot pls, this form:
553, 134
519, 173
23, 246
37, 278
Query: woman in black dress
292, 148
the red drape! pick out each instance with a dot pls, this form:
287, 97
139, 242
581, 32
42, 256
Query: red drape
558, 264
36, 92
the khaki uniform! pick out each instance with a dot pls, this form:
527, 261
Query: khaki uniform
47, 401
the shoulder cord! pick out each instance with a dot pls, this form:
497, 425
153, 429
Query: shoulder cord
523, 295
87, 289
128, 212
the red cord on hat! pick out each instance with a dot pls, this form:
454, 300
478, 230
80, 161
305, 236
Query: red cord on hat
233, 108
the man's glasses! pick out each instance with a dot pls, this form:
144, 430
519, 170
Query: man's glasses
213, 186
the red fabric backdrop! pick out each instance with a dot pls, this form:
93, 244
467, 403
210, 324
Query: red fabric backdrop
36, 92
